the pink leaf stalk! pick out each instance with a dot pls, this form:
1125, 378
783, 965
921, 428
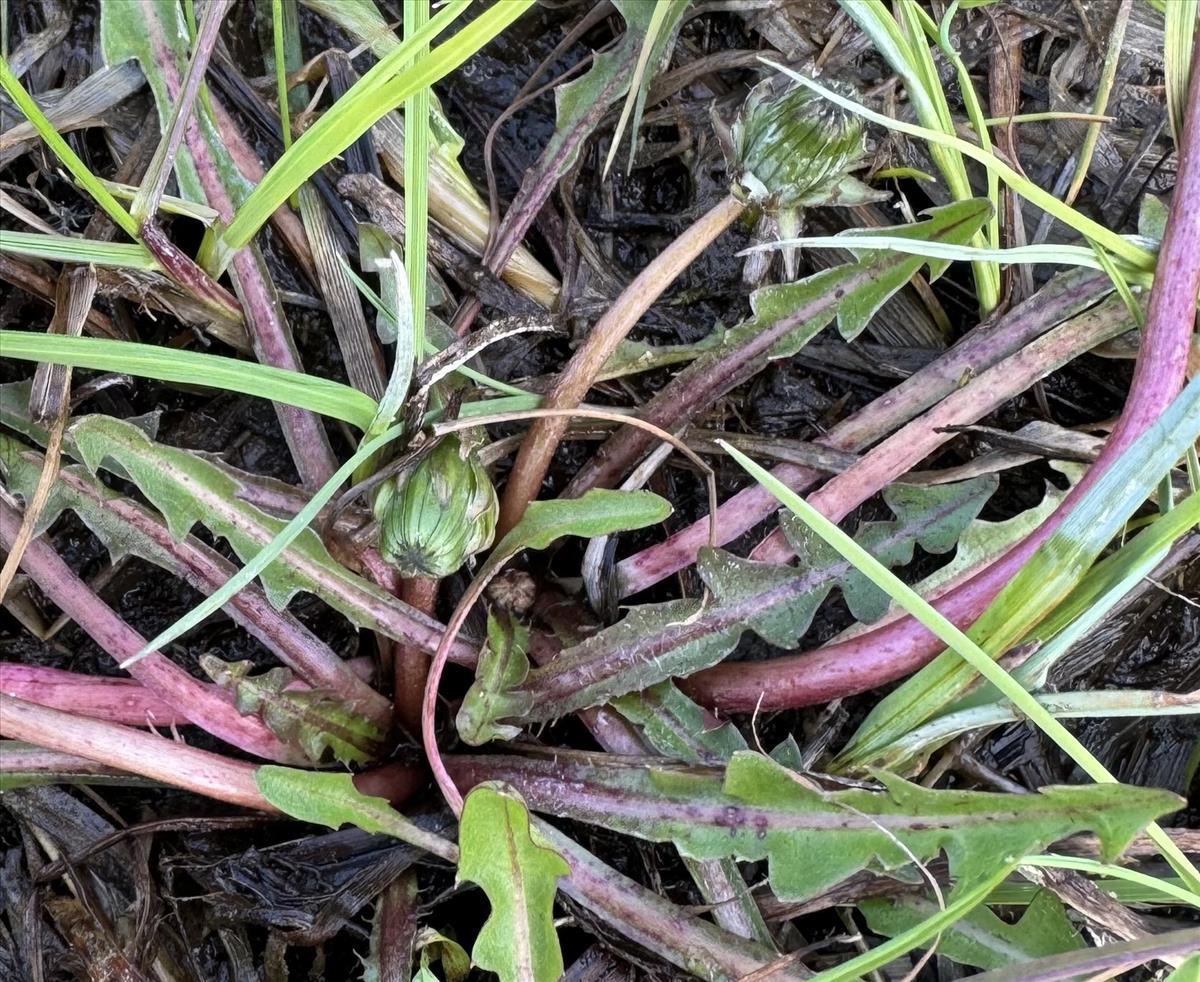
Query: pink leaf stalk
113, 700
896, 455
981, 349
270, 335
886, 654
134, 751
189, 697
26, 758
206, 570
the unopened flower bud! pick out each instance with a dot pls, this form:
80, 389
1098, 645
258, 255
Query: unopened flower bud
440, 515
791, 147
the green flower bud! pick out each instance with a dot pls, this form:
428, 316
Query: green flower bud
442, 514
791, 147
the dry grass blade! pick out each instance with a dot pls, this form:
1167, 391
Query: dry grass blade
364, 364
1107, 75
84, 106
71, 160
543, 438
145, 202
49, 404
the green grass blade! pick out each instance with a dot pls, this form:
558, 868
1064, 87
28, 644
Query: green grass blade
977, 116
1136, 256
167, 203
901, 42
664, 22
362, 21
1105, 584
1120, 890
963, 902
1179, 29
917, 744
956, 640
319, 395
416, 179
281, 87
377, 93
1064, 255
79, 170
1108, 74
395, 282
70, 249
1120, 282
916, 22
1082, 865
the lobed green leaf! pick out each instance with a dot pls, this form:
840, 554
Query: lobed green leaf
813, 839
981, 939
334, 801
316, 722
188, 489
502, 667
519, 874
678, 728
655, 642
1044, 581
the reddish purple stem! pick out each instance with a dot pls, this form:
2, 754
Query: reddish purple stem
135, 751
184, 271
206, 570
190, 698
114, 700
982, 348
184, 101
910, 444
269, 333
886, 654
31, 759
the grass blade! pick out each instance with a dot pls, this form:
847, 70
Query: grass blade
379, 92
263, 559
1178, 51
320, 395
664, 22
1083, 865
963, 903
957, 641
900, 40
71, 249
79, 170
1134, 255
416, 178
1065, 255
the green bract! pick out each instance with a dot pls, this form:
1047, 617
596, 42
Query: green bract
443, 513
791, 147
